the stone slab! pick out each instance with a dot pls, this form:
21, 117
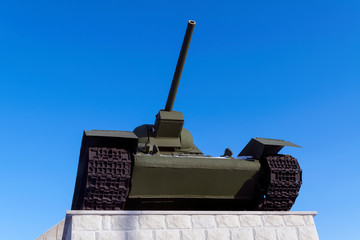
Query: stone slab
54, 233
184, 225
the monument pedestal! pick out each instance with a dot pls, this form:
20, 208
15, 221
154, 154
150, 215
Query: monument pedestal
186, 225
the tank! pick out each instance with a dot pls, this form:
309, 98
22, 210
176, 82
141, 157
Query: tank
158, 167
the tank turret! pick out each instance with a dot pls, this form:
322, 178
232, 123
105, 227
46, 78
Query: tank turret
167, 135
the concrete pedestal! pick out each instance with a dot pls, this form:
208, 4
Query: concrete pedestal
186, 225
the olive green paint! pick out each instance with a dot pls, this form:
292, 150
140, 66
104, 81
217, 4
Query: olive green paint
192, 177
264, 146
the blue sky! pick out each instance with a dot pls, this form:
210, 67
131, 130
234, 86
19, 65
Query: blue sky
286, 70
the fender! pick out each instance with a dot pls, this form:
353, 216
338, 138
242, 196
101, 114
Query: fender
258, 147
99, 138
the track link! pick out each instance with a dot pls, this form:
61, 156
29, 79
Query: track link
108, 179
282, 182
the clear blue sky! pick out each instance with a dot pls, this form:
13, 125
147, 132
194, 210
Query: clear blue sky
285, 69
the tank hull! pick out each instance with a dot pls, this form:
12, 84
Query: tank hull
192, 177
113, 175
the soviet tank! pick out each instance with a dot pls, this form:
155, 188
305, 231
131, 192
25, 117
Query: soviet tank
158, 167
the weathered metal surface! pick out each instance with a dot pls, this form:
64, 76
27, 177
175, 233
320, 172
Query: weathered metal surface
98, 139
108, 179
281, 179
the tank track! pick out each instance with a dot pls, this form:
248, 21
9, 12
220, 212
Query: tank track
108, 179
282, 182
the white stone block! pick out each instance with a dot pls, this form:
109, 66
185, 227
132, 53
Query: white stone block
54, 233
294, 220
286, 233
185, 225
265, 234
83, 235
167, 235
49, 237
227, 221
86, 223
273, 220
178, 221
110, 235
250, 221
308, 233
140, 235
218, 234
106, 223
124, 222
152, 222
60, 230
198, 234
242, 234
203, 221
309, 220
51, 234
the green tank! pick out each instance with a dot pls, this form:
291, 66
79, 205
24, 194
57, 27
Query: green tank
158, 167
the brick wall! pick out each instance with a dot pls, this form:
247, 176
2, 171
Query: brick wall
184, 225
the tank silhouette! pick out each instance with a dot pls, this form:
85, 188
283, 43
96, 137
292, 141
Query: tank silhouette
158, 167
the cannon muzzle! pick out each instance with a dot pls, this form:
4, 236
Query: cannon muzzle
179, 66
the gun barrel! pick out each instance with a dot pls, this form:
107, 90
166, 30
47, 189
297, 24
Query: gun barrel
179, 66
